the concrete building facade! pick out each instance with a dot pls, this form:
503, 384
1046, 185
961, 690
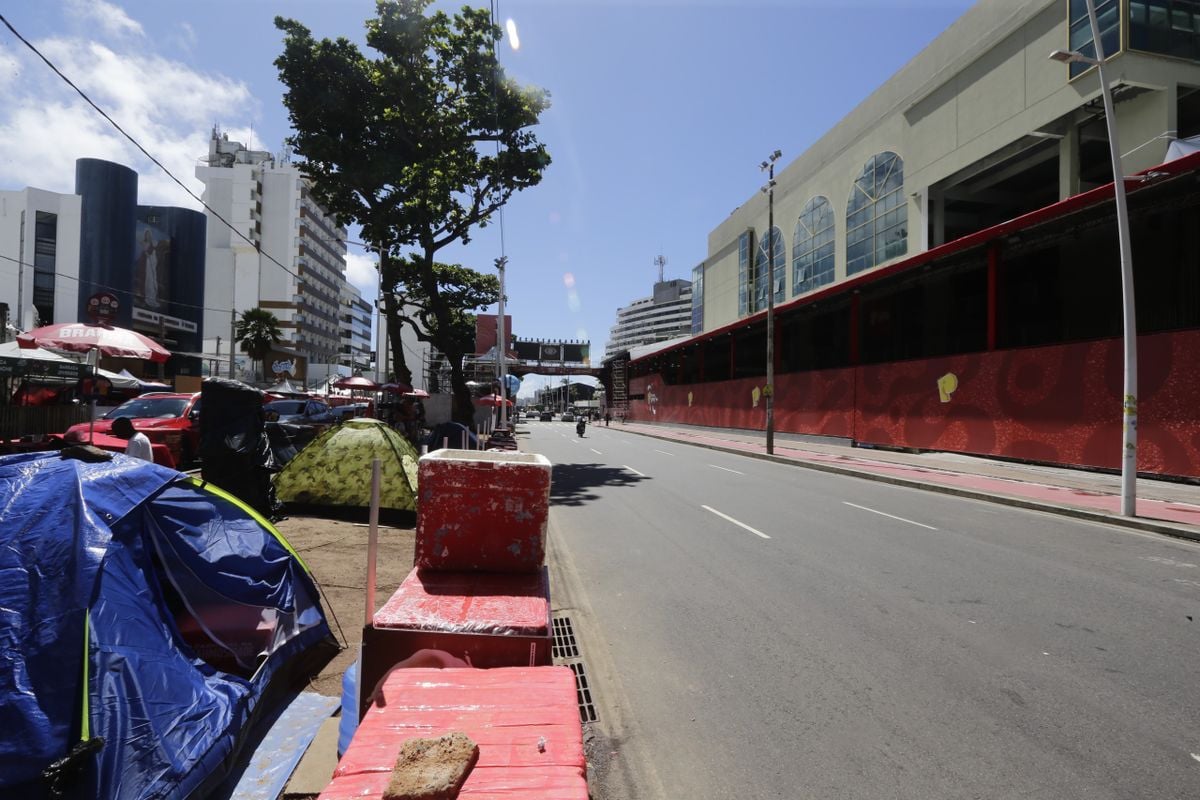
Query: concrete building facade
978, 128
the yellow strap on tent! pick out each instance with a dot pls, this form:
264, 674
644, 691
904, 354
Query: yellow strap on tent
259, 518
86, 727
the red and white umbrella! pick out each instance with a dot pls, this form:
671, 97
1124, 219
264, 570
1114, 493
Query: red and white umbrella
493, 400
82, 337
356, 382
419, 394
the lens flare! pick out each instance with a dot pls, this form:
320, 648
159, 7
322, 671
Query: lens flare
514, 40
568, 280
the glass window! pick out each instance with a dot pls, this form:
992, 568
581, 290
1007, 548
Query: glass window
876, 214
744, 273
1079, 31
812, 247
697, 299
1169, 27
778, 267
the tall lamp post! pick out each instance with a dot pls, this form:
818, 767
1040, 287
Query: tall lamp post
1129, 326
501, 346
768, 166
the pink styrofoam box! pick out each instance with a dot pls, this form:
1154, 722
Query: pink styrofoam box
495, 603
482, 511
525, 721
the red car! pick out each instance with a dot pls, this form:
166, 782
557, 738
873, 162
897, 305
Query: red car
165, 417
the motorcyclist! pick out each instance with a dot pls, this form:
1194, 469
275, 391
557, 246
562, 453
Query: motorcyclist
581, 425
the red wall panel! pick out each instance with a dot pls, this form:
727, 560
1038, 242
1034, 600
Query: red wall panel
1059, 404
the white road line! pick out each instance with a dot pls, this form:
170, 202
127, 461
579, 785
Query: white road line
631, 469
664, 452
728, 518
890, 516
727, 469
594, 450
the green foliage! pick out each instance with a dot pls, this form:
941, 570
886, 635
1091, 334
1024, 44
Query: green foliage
418, 143
258, 332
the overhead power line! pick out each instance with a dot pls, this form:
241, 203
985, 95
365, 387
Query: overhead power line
257, 246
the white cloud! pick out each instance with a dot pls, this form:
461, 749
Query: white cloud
164, 104
361, 274
111, 19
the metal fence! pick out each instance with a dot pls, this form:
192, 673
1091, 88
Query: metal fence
18, 421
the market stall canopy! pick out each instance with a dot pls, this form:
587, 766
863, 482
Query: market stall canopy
397, 388
285, 388
144, 385
419, 394
81, 337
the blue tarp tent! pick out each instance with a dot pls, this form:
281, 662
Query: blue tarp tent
146, 622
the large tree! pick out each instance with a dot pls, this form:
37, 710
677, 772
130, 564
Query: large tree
418, 145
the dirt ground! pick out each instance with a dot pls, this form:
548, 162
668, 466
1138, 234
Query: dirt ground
336, 553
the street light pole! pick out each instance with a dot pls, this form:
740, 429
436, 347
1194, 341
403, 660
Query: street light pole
769, 390
501, 347
1129, 312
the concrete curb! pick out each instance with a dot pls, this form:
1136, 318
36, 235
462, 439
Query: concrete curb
1135, 523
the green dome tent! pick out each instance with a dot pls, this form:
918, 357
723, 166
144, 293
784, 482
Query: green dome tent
335, 468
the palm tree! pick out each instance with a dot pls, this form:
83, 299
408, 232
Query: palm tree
258, 331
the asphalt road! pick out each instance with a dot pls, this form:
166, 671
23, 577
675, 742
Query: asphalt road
777, 632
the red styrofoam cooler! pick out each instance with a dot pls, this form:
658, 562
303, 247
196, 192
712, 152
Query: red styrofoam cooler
525, 721
482, 511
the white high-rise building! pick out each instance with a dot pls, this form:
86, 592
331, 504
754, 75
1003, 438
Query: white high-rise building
271, 204
667, 314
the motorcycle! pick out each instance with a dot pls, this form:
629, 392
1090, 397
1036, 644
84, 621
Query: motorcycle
580, 426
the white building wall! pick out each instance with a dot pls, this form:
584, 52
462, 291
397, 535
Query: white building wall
263, 200
16, 281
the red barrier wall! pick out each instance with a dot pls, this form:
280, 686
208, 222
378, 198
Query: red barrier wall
1059, 404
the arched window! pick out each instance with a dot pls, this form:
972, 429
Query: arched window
876, 215
812, 247
779, 265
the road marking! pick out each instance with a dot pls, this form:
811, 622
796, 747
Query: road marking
1170, 562
890, 516
664, 452
728, 518
631, 469
594, 450
1196, 756
727, 469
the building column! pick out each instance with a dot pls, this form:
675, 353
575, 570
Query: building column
936, 234
1068, 163
993, 268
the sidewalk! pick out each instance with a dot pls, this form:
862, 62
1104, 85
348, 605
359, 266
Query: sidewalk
1162, 506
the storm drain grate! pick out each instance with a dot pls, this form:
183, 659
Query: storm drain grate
564, 649
587, 711
564, 639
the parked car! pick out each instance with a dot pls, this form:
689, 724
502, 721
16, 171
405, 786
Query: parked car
168, 418
299, 412
350, 411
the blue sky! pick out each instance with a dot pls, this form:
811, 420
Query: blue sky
661, 112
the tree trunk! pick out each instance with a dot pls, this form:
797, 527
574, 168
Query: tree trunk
400, 370
462, 410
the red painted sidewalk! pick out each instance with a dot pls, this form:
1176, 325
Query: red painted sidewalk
1163, 506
